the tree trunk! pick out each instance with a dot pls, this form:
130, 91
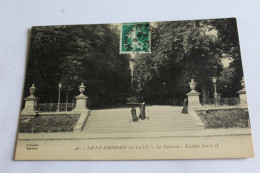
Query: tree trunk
205, 94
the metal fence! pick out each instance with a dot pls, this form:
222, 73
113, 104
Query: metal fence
52, 107
221, 101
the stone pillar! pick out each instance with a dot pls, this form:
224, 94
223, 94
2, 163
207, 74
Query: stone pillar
193, 96
30, 107
81, 100
242, 94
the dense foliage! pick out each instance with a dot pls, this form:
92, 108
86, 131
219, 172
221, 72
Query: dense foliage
75, 54
190, 49
90, 54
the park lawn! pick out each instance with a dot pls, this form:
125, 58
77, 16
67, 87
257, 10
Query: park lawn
227, 118
48, 123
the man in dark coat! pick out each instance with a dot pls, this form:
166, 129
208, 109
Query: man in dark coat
134, 117
185, 106
142, 111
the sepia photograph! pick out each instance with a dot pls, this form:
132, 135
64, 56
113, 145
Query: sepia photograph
135, 91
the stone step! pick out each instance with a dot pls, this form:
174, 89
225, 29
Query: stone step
139, 126
162, 118
150, 117
140, 120
140, 130
159, 116
131, 129
140, 123
129, 113
144, 128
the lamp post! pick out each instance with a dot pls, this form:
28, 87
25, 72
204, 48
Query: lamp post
58, 107
214, 80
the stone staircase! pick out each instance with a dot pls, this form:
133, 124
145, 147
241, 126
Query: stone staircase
161, 118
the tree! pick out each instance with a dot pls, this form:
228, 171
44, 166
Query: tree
188, 49
75, 54
228, 34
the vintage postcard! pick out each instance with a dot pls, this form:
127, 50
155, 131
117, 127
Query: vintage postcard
135, 91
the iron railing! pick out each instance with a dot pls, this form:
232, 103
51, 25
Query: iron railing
52, 107
221, 101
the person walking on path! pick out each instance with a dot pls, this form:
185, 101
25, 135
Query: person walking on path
142, 111
134, 117
185, 106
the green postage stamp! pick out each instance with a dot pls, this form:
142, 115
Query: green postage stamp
135, 37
